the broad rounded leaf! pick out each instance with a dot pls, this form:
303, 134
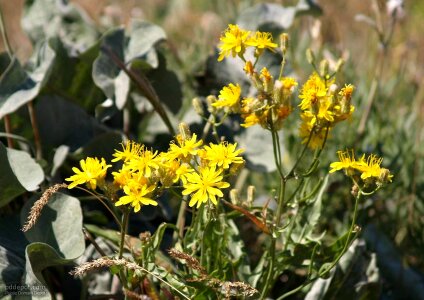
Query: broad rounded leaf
144, 36
60, 225
18, 173
262, 14
17, 87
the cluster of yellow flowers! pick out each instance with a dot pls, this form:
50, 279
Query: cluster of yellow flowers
272, 104
144, 173
235, 41
369, 169
322, 107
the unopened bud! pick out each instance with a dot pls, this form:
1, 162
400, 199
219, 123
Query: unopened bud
250, 195
234, 197
277, 93
198, 107
284, 42
310, 56
384, 177
210, 100
340, 63
184, 131
324, 66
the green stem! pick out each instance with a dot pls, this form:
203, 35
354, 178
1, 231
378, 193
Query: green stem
345, 248
123, 231
291, 173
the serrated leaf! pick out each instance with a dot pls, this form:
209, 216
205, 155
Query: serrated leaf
18, 173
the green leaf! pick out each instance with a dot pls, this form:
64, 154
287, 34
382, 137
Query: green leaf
109, 234
74, 128
59, 158
76, 84
17, 87
56, 238
12, 253
105, 71
59, 225
65, 20
18, 173
262, 14
143, 38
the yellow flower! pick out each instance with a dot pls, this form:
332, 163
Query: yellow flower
233, 42
312, 91
185, 148
346, 161
122, 177
370, 167
262, 40
289, 83
223, 155
182, 171
130, 151
144, 163
137, 195
229, 97
92, 171
347, 91
248, 68
204, 185
318, 135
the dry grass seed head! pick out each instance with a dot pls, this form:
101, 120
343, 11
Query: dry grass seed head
38, 206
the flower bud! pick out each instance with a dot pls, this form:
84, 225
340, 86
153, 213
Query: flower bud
340, 63
184, 131
310, 56
210, 100
234, 197
250, 195
284, 42
324, 66
198, 107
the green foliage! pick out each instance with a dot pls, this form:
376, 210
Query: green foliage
86, 89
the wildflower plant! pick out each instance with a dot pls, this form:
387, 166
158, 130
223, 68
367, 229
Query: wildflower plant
209, 259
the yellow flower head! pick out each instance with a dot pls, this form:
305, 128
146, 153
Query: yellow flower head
223, 155
265, 75
137, 195
233, 42
144, 163
312, 91
370, 167
204, 185
262, 40
186, 148
248, 68
130, 151
347, 91
229, 97
92, 171
289, 83
346, 161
